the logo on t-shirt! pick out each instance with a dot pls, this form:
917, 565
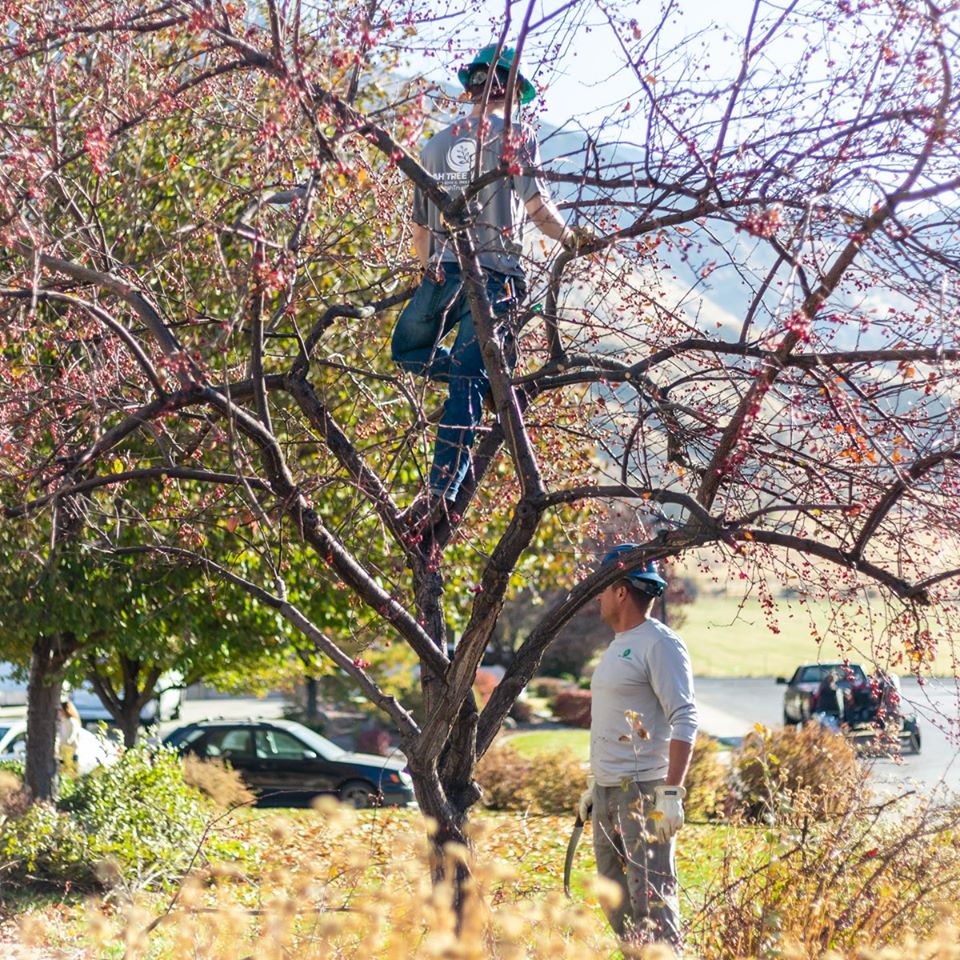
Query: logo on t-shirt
461, 155
625, 655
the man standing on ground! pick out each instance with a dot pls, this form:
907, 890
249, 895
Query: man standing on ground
440, 303
642, 730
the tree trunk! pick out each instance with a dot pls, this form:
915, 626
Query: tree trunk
451, 820
126, 705
128, 720
49, 657
311, 691
445, 792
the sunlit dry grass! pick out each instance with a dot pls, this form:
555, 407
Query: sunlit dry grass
337, 885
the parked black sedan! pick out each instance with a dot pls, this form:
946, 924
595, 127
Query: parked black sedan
287, 763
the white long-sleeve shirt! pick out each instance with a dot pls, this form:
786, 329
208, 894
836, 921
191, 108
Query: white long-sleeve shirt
642, 698
70, 728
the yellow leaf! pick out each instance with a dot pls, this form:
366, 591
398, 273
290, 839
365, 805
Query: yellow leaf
117, 466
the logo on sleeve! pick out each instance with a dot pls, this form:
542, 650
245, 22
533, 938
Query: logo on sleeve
625, 655
461, 155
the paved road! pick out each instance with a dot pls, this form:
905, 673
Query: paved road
730, 708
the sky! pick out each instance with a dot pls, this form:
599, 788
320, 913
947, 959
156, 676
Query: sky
589, 78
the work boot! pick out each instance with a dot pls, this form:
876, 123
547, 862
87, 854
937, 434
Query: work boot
425, 512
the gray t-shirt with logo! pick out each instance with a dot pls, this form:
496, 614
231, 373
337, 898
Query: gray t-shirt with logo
642, 699
450, 156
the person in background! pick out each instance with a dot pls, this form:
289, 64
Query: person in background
829, 698
70, 727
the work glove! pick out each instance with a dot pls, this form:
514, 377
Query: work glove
576, 237
585, 807
668, 811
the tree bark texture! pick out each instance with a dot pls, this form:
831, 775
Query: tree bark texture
47, 662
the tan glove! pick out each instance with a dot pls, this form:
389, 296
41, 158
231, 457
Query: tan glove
667, 813
576, 237
585, 806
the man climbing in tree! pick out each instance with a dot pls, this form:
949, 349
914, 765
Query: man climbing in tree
440, 306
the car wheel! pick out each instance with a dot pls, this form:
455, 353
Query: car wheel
787, 722
358, 794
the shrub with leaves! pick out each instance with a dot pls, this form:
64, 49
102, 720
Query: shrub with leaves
551, 782
773, 766
133, 825
14, 767
44, 845
142, 815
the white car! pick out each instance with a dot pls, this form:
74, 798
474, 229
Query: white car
92, 751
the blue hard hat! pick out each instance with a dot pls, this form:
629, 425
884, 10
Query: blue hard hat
645, 577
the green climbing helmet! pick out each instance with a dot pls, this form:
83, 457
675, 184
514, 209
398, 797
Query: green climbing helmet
485, 58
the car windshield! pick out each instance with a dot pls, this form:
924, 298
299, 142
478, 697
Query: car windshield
326, 748
846, 674
3, 732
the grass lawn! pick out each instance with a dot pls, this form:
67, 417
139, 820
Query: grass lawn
530, 744
728, 637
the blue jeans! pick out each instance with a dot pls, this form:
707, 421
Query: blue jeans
433, 312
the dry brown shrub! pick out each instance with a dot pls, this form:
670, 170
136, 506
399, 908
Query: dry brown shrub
573, 707
555, 782
865, 875
522, 711
550, 783
220, 782
13, 798
773, 766
708, 780
548, 687
316, 913
502, 773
